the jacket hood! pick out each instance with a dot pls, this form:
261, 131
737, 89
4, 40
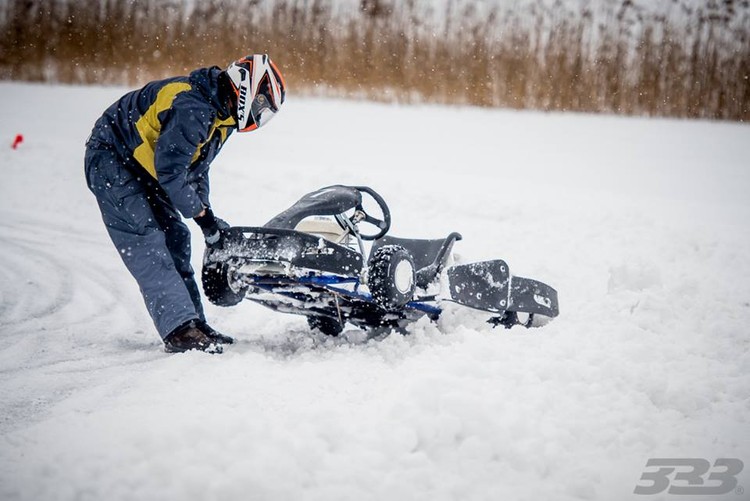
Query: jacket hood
206, 80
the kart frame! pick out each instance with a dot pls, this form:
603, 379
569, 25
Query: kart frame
323, 275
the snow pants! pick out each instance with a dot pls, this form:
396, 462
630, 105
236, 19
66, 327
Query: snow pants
149, 235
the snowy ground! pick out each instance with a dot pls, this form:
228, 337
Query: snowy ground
640, 224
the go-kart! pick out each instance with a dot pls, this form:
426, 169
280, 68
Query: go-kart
311, 260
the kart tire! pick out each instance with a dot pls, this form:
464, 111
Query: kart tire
327, 325
216, 286
391, 277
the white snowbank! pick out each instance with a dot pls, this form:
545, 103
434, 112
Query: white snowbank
640, 224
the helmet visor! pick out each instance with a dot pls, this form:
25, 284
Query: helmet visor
263, 107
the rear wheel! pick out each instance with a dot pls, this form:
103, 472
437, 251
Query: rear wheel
216, 286
391, 277
327, 325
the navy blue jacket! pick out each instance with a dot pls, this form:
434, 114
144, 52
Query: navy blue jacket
171, 129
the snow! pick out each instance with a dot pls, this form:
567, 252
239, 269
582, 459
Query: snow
640, 224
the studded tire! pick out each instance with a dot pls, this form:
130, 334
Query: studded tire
391, 277
327, 325
216, 286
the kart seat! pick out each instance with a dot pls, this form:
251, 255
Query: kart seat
429, 255
327, 201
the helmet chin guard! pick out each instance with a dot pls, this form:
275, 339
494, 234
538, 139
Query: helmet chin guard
260, 90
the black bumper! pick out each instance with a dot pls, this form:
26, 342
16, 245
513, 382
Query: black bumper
300, 250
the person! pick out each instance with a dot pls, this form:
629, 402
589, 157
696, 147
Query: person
147, 162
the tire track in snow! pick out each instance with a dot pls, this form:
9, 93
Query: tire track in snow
50, 284
27, 291
64, 316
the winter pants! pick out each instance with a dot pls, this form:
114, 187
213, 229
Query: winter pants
149, 235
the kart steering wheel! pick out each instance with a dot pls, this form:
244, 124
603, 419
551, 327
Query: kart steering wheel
383, 224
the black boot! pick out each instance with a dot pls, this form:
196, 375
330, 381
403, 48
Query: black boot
214, 335
189, 337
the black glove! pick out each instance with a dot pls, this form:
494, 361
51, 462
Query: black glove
212, 228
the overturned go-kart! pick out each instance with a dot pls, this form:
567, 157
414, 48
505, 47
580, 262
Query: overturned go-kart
310, 260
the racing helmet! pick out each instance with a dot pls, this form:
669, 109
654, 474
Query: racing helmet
260, 90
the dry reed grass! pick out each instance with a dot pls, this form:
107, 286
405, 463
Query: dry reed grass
632, 63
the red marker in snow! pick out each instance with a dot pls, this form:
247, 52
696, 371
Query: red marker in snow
17, 141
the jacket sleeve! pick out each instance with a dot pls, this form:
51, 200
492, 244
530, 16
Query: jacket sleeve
202, 188
184, 128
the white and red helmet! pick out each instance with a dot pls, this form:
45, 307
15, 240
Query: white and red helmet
260, 90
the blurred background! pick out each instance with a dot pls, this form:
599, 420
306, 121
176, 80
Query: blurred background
679, 58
